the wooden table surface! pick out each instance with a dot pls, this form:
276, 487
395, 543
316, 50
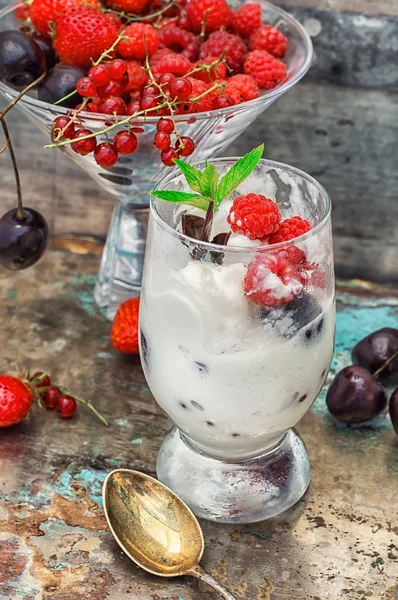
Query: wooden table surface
340, 541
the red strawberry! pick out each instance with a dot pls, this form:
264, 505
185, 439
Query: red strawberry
82, 35
124, 333
15, 400
45, 12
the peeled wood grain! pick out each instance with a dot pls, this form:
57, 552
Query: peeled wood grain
369, 7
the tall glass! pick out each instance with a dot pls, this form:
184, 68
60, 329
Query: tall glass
236, 377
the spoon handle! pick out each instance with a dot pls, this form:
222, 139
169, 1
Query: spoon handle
199, 573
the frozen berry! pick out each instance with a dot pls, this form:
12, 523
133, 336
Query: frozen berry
354, 396
83, 147
228, 45
393, 409
162, 141
165, 125
99, 75
209, 15
21, 60
86, 88
181, 88
117, 69
167, 157
22, 241
185, 146
271, 280
63, 123
125, 142
290, 229
270, 39
106, 155
267, 70
375, 349
66, 406
254, 215
142, 40
51, 397
246, 19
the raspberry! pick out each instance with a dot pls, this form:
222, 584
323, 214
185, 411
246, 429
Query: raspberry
246, 19
223, 101
204, 103
216, 13
179, 40
221, 43
290, 229
128, 6
270, 39
177, 64
143, 39
244, 85
254, 215
209, 75
158, 56
136, 76
271, 280
267, 70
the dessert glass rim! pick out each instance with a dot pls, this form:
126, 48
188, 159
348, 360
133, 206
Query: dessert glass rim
239, 249
278, 90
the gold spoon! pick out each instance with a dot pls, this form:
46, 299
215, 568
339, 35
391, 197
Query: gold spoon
155, 528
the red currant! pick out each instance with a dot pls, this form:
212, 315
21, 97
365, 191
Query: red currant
150, 90
167, 157
62, 122
223, 101
83, 147
99, 75
165, 125
112, 105
165, 80
85, 87
185, 146
117, 68
181, 88
51, 397
66, 406
148, 102
162, 140
183, 21
44, 382
106, 155
186, 108
125, 142
114, 88
132, 108
93, 106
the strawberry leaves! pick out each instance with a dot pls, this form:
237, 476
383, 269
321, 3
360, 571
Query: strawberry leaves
207, 183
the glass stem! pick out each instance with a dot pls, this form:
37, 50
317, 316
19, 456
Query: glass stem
20, 214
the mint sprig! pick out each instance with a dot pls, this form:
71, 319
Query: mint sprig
207, 183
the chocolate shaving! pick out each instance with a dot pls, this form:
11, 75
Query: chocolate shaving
221, 238
192, 225
208, 223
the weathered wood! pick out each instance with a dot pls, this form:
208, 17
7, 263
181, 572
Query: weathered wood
340, 541
367, 7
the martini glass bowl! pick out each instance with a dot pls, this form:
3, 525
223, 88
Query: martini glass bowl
134, 176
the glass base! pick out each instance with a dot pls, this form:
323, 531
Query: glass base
122, 260
235, 492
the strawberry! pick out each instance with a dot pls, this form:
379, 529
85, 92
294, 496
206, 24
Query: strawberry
124, 333
128, 6
45, 12
82, 34
15, 400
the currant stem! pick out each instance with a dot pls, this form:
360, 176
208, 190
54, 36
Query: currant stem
20, 214
381, 369
133, 18
24, 91
88, 404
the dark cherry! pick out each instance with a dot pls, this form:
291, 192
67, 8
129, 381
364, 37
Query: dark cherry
46, 47
60, 82
51, 397
394, 410
373, 351
66, 406
44, 382
21, 60
354, 396
22, 242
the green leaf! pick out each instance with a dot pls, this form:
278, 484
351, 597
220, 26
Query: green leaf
192, 175
209, 181
182, 198
238, 173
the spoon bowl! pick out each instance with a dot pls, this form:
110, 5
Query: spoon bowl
154, 527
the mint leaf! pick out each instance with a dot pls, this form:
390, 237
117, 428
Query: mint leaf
192, 175
238, 173
209, 180
183, 198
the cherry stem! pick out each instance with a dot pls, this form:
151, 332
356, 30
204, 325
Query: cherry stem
20, 214
381, 369
24, 91
88, 404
